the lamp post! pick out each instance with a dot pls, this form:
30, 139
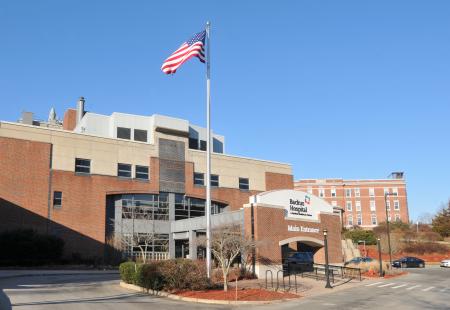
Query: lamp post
387, 227
379, 256
327, 268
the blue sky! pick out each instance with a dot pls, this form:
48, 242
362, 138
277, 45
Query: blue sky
351, 89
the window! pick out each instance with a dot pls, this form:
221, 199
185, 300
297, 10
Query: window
334, 203
372, 192
193, 143
57, 199
350, 220
123, 133
124, 170
140, 135
386, 191
373, 219
214, 180
309, 190
395, 191
397, 217
202, 145
358, 206
348, 192
333, 192
199, 178
321, 192
396, 205
373, 206
142, 172
357, 192
349, 205
82, 165
359, 219
388, 205
389, 218
243, 183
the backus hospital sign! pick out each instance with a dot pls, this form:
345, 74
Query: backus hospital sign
297, 205
298, 208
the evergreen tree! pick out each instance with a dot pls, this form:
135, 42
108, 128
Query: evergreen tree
441, 222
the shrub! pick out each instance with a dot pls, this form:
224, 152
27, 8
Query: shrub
359, 234
149, 276
425, 248
430, 236
169, 275
28, 247
181, 274
128, 272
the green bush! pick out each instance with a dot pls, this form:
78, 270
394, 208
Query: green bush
128, 272
169, 275
26, 247
359, 234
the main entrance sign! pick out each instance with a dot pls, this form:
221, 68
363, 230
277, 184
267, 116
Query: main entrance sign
297, 205
296, 228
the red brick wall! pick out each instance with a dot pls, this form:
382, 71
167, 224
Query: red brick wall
268, 248
84, 204
24, 190
24, 179
70, 119
279, 181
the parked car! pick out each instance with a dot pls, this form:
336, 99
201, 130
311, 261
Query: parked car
358, 260
407, 262
300, 261
445, 263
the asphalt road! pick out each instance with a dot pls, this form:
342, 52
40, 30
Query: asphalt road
422, 289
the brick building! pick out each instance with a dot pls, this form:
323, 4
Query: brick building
92, 177
362, 201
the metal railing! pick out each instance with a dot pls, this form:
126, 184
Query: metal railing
343, 272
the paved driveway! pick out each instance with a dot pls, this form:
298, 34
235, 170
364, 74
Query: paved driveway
422, 289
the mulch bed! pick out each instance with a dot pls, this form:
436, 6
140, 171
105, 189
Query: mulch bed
243, 295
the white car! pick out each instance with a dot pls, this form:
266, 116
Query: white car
445, 263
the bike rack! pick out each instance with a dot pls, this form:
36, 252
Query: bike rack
278, 282
271, 278
295, 280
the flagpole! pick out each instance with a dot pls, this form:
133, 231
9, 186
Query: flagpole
208, 154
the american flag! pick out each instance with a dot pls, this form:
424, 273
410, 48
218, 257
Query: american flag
194, 47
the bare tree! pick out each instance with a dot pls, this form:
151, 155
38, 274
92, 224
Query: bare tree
143, 241
227, 242
127, 239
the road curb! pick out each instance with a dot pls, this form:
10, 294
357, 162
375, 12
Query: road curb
200, 300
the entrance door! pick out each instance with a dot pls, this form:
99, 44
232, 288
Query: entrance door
181, 248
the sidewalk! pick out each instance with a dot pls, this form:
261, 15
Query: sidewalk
306, 287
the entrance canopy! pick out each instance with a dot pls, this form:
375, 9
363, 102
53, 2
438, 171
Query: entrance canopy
297, 205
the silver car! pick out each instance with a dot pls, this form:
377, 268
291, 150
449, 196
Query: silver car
445, 263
